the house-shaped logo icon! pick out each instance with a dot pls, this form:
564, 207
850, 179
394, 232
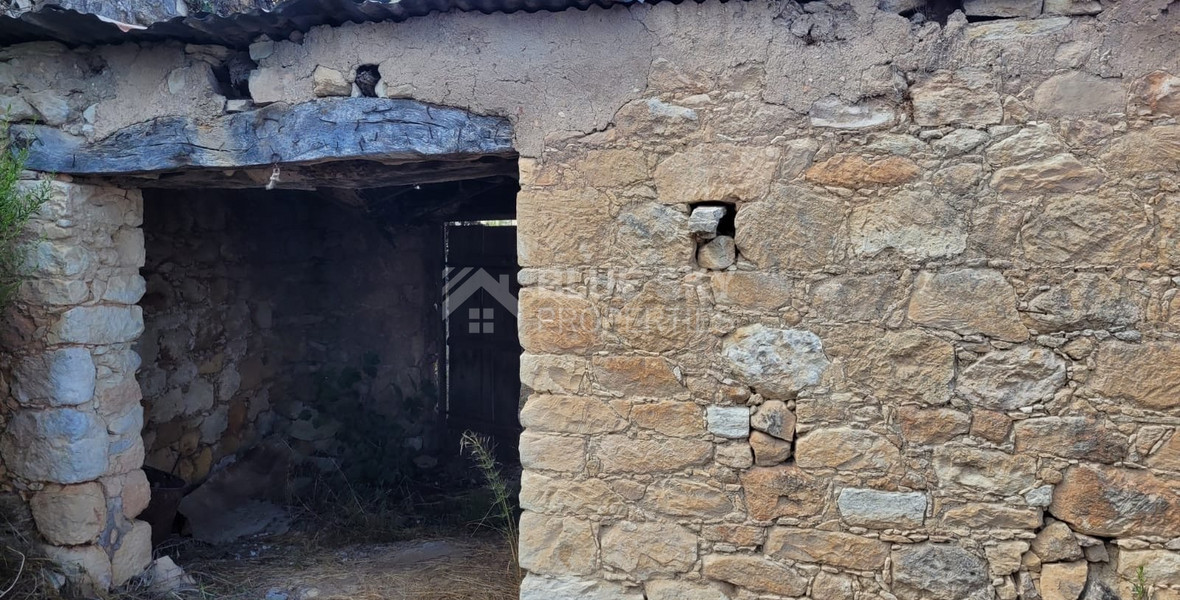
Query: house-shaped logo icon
460, 284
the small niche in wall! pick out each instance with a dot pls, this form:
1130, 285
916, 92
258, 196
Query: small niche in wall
367, 78
232, 77
713, 226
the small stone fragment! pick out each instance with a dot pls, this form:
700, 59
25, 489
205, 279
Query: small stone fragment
717, 254
703, 221
774, 418
769, 451
1063, 581
329, 82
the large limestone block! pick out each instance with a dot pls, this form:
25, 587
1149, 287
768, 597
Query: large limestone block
901, 366
1063, 581
1010, 379
853, 171
56, 445
939, 571
990, 471
556, 322
777, 362
63, 377
133, 555
833, 112
666, 589
557, 545
651, 234
838, 549
552, 452
98, 325
783, 491
793, 229
1086, 300
622, 454
1078, 438
967, 301
1075, 94
665, 316
635, 376
878, 509
558, 495
674, 417
536, 587
563, 228
570, 414
70, 515
965, 97
1100, 229
1114, 502
755, 573
643, 550
714, 172
688, 499
846, 449
1147, 374
918, 226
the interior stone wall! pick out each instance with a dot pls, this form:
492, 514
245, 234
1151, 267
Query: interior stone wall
935, 354
256, 304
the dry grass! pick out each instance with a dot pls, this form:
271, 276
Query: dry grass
477, 568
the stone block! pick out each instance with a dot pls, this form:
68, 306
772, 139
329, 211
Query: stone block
752, 290
1004, 558
554, 545
704, 220
731, 422
778, 362
570, 414
636, 376
783, 491
674, 418
1085, 301
1072, 7
832, 112
87, 567
1063, 581
643, 550
1146, 375
878, 509
965, 97
622, 454
930, 571
794, 228
55, 445
687, 499
755, 573
1158, 92
1006, 380
1002, 8
1075, 94
838, 549
329, 82
555, 322
774, 418
98, 325
1160, 567
985, 516
769, 451
537, 587
1057, 543
846, 449
983, 470
716, 172
718, 254
667, 589
853, 298
901, 366
651, 235
70, 515
931, 426
563, 496
1060, 174
1115, 502
918, 226
549, 373
1078, 438
552, 452
63, 377
133, 554
967, 301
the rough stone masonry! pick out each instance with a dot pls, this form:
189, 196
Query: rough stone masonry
819, 300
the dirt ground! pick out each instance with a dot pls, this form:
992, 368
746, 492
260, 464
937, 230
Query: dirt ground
300, 566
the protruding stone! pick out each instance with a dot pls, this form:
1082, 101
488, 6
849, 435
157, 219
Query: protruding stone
772, 417
967, 301
1011, 379
728, 421
929, 571
718, 254
704, 220
833, 112
877, 509
769, 451
777, 362
755, 573
1056, 543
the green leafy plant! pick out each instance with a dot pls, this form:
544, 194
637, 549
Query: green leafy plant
19, 201
503, 511
1139, 588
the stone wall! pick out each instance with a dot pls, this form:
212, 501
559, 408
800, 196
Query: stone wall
928, 348
71, 444
257, 302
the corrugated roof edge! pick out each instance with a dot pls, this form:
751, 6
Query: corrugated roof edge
238, 30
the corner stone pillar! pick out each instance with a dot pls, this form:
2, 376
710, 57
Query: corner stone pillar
72, 445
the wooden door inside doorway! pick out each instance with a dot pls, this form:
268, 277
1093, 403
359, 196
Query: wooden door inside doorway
483, 349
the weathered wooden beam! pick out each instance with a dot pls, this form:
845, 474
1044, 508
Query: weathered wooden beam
386, 130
